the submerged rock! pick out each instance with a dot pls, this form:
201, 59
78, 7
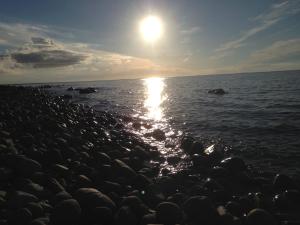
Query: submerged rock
87, 90
218, 91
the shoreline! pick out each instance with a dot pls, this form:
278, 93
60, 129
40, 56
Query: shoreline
63, 163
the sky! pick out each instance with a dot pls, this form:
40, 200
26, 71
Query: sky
77, 40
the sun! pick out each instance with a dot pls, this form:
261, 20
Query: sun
151, 28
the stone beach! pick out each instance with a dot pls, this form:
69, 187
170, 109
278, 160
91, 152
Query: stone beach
66, 164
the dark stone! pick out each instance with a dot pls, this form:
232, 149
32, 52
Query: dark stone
159, 135
66, 212
87, 90
70, 89
21, 216
283, 182
61, 196
260, 217
125, 216
20, 199
218, 91
26, 166
90, 198
123, 169
168, 213
234, 164
200, 210
36, 209
102, 215
234, 208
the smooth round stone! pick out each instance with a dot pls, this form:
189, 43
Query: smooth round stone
136, 204
36, 209
66, 212
102, 215
90, 198
21, 216
159, 135
125, 216
233, 164
260, 217
200, 210
61, 196
19, 199
26, 166
234, 208
283, 182
168, 213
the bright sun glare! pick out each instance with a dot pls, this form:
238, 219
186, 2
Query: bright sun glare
151, 28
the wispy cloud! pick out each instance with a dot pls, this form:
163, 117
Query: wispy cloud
269, 18
191, 30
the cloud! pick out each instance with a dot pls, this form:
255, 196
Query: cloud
191, 30
272, 16
278, 51
33, 56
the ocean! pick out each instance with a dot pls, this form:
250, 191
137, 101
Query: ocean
258, 118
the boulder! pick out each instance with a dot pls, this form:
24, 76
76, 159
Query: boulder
66, 212
168, 213
218, 91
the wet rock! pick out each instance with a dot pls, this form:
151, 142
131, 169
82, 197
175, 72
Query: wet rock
283, 182
60, 170
234, 164
234, 208
168, 213
90, 198
125, 216
87, 90
71, 89
61, 196
218, 91
20, 199
159, 135
21, 216
260, 217
173, 160
102, 215
36, 209
123, 169
26, 166
199, 210
66, 212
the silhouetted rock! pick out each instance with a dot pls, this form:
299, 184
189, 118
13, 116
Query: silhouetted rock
66, 212
168, 213
87, 90
260, 217
218, 91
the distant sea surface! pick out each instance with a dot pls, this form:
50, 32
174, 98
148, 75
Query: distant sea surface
258, 118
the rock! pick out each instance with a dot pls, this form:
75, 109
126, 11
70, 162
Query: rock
61, 196
36, 209
90, 198
21, 216
234, 208
168, 213
102, 215
125, 216
20, 199
159, 135
33, 188
136, 205
38, 222
87, 90
70, 89
260, 217
200, 211
123, 169
234, 164
66, 212
283, 182
26, 166
218, 91
60, 170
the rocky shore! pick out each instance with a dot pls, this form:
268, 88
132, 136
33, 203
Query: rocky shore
66, 164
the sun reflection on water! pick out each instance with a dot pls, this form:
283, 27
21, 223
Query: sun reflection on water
154, 98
